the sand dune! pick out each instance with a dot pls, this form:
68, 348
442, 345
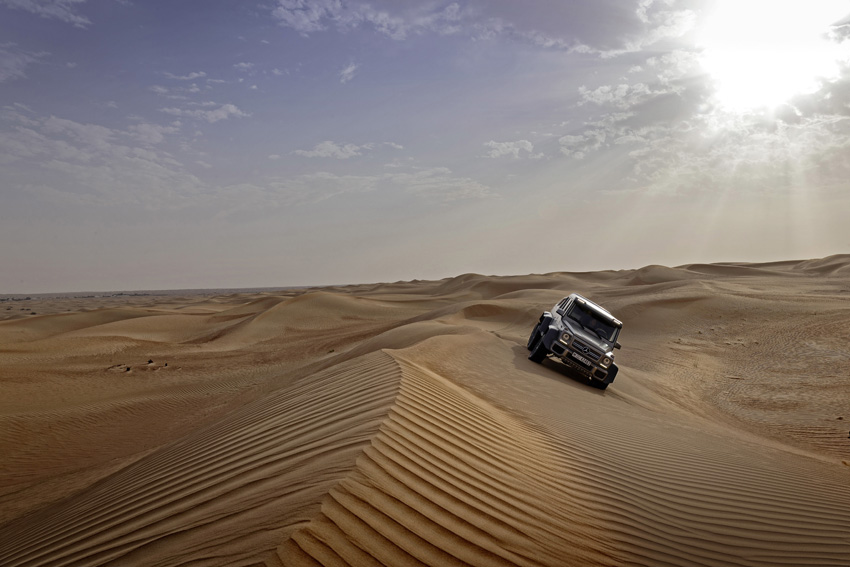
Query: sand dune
401, 424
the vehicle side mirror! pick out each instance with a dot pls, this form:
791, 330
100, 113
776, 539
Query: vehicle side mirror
618, 345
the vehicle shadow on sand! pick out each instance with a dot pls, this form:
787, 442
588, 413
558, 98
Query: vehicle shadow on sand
554, 369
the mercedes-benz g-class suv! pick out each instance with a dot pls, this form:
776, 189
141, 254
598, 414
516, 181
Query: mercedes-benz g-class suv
581, 334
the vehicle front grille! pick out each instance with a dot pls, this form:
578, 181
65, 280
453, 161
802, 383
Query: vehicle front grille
586, 350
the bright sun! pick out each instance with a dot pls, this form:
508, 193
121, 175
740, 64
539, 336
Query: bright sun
762, 52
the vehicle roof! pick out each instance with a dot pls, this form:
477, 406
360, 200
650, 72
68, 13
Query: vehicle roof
596, 307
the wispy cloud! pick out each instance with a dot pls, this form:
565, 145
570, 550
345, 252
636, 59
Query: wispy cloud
180, 92
92, 165
14, 61
348, 73
63, 10
307, 16
329, 149
188, 77
214, 115
651, 21
621, 96
310, 16
512, 149
692, 151
75, 162
150, 134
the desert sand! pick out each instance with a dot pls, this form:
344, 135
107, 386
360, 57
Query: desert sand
401, 424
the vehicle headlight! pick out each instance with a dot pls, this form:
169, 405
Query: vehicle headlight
605, 362
565, 338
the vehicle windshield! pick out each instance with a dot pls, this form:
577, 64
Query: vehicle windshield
593, 322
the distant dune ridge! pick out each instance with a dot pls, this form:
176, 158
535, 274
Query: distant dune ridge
402, 424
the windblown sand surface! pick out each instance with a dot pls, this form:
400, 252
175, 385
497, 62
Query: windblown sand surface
401, 424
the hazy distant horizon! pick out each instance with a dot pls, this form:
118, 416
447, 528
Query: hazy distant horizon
260, 289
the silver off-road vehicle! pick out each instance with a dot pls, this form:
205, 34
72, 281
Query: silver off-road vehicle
581, 334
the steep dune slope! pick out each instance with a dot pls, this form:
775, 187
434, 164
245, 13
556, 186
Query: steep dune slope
226, 494
448, 480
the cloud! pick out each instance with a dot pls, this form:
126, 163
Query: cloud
620, 27
745, 155
621, 96
221, 113
650, 23
500, 149
14, 61
841, 30
310, 16
63, 10
66, 162
86, 135
673, 65
243, 66
329, 149
700, 149
347, 73
189, 77
150, 134
306, 16
662, 21
177, 92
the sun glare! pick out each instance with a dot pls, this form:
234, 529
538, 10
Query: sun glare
762, 52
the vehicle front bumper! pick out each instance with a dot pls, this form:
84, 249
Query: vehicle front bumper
564, 353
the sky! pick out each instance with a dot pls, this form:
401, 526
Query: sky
220, 144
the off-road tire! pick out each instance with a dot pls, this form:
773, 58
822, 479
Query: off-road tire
612, 373
533, 336
539, 352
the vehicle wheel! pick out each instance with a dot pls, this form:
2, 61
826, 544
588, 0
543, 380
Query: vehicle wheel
533, 336
539, 352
